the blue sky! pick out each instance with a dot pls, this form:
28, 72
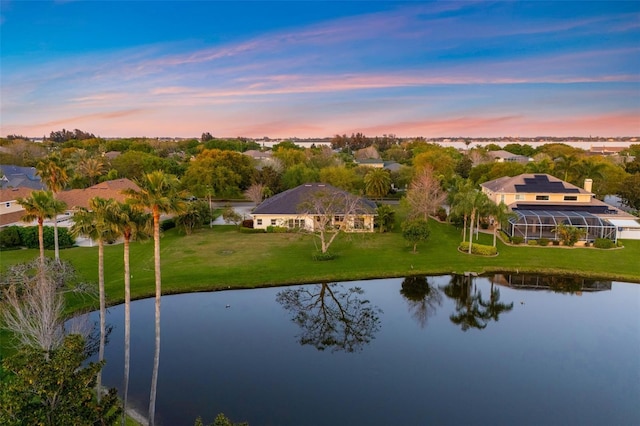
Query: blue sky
314, 69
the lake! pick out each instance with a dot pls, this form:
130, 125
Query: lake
450, 350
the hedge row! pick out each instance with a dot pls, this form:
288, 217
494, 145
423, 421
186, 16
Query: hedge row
13, 237
479, 249
603, 243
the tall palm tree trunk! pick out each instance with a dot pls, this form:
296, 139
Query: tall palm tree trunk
127, 326
55, 238
464, 228
156, 358
103, 313
473, 214
41, 240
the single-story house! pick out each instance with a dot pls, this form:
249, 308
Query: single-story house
309, 205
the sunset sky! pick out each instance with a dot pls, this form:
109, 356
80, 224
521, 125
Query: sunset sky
315, 69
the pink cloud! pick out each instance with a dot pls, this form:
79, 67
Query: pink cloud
622, 124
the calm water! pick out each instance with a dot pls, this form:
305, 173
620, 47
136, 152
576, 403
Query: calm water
441, 350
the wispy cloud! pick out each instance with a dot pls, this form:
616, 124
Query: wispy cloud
442, 67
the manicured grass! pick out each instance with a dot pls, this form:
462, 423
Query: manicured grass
223, 257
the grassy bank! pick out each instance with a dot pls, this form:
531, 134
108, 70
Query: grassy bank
223, 257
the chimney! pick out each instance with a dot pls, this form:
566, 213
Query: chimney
588, 185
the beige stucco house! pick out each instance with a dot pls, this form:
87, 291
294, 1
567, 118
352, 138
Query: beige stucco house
541, 202
540, 190
292, 209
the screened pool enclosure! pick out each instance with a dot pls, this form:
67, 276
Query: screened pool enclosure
536, 224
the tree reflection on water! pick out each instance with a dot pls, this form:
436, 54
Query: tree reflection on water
471, 310
331, 316
422, 298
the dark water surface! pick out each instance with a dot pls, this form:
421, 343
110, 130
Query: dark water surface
442, 350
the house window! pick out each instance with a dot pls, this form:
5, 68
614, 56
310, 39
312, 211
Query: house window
273, 222
502, 198
259, 221
358, 223
542, 198
519, 197
8, 204
338, 218
296, 223
571, 198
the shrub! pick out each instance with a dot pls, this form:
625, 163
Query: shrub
479, 249
29, 237
319, 256
441, 214
277, 229
517, 239
247, 223
603, 243
587, 244
10, 238
532, 242
229, 215
385, 219
165, 225
543, 242
556, 242
568, 234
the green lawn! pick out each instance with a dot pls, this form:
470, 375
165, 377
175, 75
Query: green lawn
222, 257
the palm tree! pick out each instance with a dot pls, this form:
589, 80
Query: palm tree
500, 213
41, 205
56, 177
98, 223
377, 183
91, 168
590, 169
478, 202
494, 307
158, 193
566, 163
461, 200
132, 223
468, 310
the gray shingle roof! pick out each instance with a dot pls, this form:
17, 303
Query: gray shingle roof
288, 202
17, 176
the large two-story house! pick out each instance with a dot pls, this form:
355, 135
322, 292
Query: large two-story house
541, 202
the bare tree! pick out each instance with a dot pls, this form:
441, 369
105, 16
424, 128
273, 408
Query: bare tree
334, 211
33, 313
32, 302
331, 316
425, 194
255, 193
